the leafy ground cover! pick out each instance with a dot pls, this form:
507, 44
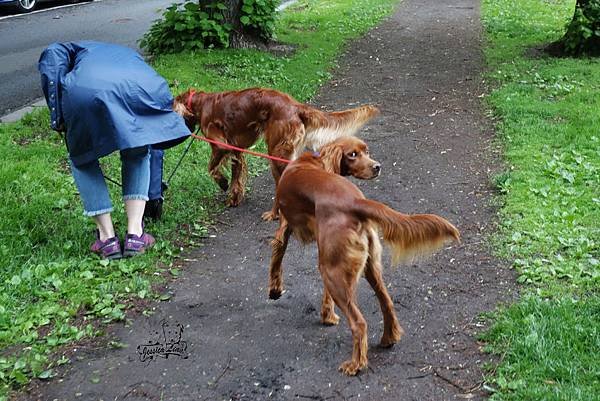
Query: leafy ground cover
52, 292
549, 126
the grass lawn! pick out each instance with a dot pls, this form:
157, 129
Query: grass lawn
52, 291
549, 125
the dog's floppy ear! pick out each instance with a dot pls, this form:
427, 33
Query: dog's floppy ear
331, 156
180, 108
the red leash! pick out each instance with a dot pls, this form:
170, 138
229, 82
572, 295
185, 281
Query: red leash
231, 147
226, 145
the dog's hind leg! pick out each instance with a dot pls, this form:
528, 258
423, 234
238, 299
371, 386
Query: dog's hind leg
239, 175
283, 139
217, 158
276, 171
340, 273
342, 288
392, 331
328, 315
278, 246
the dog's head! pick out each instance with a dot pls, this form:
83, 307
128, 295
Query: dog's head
349, 156
184, 105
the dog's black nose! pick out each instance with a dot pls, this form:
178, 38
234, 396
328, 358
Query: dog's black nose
377, 167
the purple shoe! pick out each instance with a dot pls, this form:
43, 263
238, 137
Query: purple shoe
107, 249
136, 244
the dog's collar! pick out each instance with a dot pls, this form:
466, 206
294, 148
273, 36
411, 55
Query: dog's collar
314, 153
189, 100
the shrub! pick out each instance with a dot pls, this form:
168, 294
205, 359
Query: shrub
259, 16
205, 24
186, 27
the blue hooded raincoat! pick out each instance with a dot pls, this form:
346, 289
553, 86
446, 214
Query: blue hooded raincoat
108, 99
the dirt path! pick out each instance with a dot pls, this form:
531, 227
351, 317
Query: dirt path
422, 67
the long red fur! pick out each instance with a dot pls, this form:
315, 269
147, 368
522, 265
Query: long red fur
409, 236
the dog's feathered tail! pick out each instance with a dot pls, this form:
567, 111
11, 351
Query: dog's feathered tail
409, 236
324, 127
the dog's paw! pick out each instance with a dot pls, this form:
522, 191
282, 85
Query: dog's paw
234, 199
388, 340
275, 293
352, 367
223, 184
270, 216
330, 319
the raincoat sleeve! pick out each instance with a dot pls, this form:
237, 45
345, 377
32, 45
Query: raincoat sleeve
55, 62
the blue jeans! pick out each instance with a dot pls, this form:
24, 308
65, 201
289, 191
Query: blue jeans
135, 176
156, 174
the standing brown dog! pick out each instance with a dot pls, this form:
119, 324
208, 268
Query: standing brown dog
317, 204
240, 117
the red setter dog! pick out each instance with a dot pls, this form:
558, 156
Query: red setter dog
239, 118
317, 204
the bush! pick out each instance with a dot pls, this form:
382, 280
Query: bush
188, 27
259, 16
209, 24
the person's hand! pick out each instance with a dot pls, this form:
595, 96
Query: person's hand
60, 128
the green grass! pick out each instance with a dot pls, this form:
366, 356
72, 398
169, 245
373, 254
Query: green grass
549, 349
549, 127
52, 291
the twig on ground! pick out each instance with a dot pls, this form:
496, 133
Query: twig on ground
223, 372
143, 393
314, 397
419, 376
455, 384
225, 223
341, 395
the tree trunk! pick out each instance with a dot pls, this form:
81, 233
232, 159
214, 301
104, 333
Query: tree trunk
572, 43
579, 4
240, 37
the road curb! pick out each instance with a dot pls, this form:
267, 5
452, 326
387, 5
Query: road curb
46, 9
18, 114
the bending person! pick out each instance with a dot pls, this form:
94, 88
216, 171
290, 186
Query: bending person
106, 98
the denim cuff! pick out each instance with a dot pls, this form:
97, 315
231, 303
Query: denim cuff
97, 212
135, 197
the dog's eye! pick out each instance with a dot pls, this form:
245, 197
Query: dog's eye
352, 155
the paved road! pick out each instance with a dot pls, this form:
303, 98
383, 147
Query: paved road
23, 38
